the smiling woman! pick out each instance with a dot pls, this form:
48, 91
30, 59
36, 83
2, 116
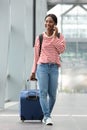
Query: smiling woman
50, 25
46, 66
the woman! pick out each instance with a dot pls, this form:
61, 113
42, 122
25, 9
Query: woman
46, 66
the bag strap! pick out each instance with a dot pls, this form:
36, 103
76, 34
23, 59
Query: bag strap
58, 35
41, 39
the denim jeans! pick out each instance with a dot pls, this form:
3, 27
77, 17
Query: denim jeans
47, 76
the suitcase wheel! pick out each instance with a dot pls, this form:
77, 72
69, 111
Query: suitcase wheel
22, 118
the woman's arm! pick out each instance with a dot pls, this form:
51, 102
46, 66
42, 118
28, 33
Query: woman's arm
60, 44
36, 55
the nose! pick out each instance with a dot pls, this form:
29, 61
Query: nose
48, 24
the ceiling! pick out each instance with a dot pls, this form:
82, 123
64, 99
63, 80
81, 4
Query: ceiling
52, 3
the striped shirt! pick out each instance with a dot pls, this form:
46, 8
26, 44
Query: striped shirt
51, 49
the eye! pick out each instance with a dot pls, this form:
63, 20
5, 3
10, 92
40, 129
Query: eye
49, 21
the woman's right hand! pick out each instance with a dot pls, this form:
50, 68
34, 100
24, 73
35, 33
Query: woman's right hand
32, 77
55, 33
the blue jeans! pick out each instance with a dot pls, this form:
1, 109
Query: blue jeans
47, 76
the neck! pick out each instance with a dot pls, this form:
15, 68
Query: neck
49, 33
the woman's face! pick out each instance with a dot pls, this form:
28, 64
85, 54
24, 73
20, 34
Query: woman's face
49, 23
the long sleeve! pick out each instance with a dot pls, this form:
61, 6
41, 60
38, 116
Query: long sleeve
36, 55
60, 44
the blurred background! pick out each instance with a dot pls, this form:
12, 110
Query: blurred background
72, 23
20, 22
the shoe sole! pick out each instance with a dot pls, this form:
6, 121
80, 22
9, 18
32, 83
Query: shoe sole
49, 124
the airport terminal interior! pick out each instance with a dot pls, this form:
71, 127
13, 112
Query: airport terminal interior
20, 22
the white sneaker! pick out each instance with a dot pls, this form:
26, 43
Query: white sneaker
44, 120
49, 121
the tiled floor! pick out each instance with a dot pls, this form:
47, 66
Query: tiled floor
70, 113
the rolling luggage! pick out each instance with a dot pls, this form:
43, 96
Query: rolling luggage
30, 108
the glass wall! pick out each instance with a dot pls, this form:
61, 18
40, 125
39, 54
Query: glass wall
72, 23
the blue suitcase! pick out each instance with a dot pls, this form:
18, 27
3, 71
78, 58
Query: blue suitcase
30, 108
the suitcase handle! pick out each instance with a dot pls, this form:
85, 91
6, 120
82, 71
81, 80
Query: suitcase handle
26, 86
32, 95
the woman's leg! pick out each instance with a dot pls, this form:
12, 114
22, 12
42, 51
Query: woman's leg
42, 77
53, 85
